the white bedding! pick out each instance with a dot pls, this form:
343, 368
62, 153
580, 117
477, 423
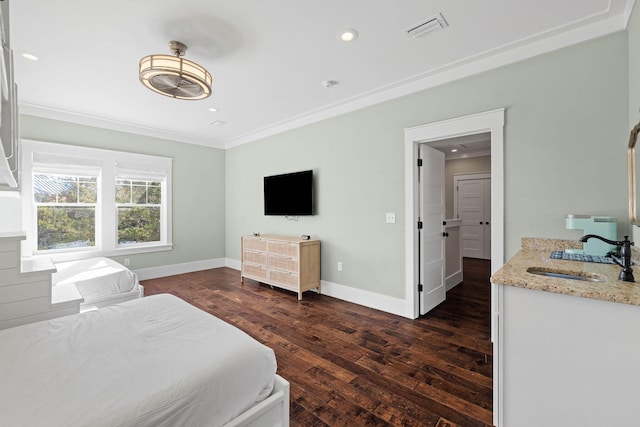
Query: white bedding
95, 278
155, 361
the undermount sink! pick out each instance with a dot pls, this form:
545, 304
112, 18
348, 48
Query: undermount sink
565, 274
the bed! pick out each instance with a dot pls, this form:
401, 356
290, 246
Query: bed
101, 281
155, 361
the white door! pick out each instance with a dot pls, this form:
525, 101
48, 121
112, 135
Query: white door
474, 209
432, 208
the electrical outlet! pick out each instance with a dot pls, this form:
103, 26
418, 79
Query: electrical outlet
127, 262
339, 265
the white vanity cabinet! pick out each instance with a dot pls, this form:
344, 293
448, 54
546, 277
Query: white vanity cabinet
564, 360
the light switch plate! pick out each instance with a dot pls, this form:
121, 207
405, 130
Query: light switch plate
391, 217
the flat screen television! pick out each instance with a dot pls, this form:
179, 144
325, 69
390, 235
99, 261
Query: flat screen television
289, 194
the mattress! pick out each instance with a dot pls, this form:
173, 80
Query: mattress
154, 361
95, 278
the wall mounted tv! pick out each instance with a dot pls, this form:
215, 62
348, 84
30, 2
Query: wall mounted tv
289, 194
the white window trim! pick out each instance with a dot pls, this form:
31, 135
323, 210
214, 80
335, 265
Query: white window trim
106, 223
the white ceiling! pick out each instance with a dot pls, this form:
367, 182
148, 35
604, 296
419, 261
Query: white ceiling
464, 147
269, 58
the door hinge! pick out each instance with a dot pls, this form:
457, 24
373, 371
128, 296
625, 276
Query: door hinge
419, 225
420, 287
419, 162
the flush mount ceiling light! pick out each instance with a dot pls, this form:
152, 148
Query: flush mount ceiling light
175, 76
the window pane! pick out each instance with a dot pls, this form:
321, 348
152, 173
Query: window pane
123, 192
68, 191
138, 193
138, 224
153, 194
65, 227
88, 192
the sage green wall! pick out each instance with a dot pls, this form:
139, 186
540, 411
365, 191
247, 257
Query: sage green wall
197, 182
459, 167
565, 152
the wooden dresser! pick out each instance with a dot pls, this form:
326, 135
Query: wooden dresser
286, 262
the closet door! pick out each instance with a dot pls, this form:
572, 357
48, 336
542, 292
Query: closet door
474, 209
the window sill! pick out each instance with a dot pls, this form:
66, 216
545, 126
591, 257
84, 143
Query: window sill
74, 256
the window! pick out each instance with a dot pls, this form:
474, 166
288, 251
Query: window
92, 200
65, 210
138, 204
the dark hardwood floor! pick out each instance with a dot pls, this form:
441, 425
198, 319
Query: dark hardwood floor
353, 366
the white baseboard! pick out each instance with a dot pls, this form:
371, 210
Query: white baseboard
373, 300
233, 263
380, 302
171, 270
453, 280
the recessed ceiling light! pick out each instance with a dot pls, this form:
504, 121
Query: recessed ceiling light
217, 123
453, 150
348, 35
30, 56
213, 109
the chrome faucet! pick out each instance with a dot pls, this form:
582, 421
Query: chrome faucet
624, 257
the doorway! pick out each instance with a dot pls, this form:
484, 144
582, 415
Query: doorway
490, 121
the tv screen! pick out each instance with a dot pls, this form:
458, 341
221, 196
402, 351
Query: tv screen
289, 194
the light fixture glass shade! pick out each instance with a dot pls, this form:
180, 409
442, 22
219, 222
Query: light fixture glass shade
175, 77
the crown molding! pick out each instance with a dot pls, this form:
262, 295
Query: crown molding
99, 122
504, 55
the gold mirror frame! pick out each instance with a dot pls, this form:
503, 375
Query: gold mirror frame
631, 154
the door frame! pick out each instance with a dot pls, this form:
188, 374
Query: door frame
489, 121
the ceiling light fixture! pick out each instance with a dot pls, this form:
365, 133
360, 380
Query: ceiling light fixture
213, 109
348, 35
175, 76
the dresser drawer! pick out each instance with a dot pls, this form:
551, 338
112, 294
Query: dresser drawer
283, 248
283, 278
254, 243
283, 263
254, 257
254, 271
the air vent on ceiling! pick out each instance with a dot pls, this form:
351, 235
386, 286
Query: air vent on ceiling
431, 24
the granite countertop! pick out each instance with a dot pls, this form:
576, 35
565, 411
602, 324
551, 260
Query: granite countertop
536, 253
